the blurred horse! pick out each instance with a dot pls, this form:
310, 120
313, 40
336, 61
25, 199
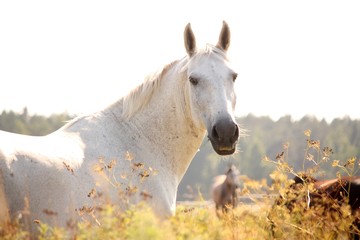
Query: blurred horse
329, 194
224, 190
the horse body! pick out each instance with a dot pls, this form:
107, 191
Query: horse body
37, 167
224, 190
35, 178
158, 126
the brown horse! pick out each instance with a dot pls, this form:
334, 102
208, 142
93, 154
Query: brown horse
224, 190
328, 194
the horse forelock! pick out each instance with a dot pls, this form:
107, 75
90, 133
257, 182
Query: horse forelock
211, 49
207, 51
141, 95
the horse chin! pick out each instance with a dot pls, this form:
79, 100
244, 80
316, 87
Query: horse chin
224, 153
223, 150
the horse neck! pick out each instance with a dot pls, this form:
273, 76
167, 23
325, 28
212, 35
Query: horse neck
166, 125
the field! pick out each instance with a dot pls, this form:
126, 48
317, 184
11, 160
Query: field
255, 217
197, 220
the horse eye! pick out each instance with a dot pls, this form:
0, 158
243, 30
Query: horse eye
234, 76
194, 81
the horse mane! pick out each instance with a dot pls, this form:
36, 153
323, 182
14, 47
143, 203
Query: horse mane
141, 95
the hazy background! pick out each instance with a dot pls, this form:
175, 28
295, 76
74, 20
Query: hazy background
293, 57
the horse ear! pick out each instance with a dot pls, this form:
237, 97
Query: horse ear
190, 42
224, 38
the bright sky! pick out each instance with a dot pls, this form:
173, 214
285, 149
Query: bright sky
292, 57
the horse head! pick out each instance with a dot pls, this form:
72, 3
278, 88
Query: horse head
232, 176
211, 90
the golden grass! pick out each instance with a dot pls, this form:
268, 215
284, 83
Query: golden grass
260, 220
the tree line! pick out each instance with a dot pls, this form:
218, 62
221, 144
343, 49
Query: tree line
262, 138
34, 125
303, 144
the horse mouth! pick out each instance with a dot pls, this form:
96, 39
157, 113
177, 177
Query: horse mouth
223, 150
223, 136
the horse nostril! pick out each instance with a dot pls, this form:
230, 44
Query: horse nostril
214, 133
222, 132
236, 135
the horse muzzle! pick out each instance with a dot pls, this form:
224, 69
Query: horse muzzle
224, 136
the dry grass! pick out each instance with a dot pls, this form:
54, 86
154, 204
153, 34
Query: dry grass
260, 220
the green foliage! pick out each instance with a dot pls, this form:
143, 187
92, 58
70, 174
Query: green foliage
138, 222
34, 125
199, 223
49, 233
141, 223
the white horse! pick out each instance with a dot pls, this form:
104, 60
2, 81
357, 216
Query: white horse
139, 147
